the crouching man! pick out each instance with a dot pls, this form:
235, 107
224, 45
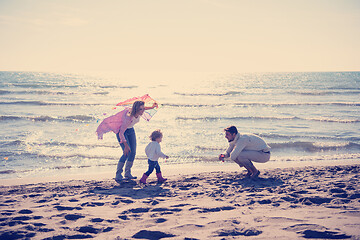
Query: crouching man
245, 149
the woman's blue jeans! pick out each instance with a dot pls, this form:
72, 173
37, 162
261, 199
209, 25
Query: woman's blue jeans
131, 141
152, 165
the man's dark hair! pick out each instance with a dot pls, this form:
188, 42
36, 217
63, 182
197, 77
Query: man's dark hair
231, 129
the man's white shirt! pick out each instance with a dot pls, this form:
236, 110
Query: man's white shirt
246, 142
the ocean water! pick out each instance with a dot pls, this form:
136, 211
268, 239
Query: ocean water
48, 120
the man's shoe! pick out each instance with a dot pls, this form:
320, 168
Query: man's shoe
255, 175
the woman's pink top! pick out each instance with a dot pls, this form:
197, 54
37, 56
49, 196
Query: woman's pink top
117, 123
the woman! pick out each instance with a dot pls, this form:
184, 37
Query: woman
122, 124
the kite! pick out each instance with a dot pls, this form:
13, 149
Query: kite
149, 102
114, 122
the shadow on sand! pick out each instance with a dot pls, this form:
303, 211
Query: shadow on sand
134, 190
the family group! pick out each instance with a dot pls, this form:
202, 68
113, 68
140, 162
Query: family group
244, 149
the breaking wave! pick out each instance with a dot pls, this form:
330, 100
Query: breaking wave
210, 94
322, 119
75, 118
302, 146
263, 104
42, 103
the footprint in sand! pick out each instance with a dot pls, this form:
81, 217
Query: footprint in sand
38, 229
93, 204
324, 234
63, 208
22, 218
180, 205
33, 195
16, 235
8, 212
316, 231
137, 210
163, 211
73, 217
238, 232
97, 220
124, 217
265, 201
9, 201
160, 220
145, 234
216, 209
90, 229
115, 203
134, 213
127, 201
25, 211
315, 200
19, 220
76, 236
39, 224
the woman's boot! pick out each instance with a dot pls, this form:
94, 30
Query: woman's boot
127, 174
119, 170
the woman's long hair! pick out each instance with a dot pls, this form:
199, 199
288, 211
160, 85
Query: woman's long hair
136, 106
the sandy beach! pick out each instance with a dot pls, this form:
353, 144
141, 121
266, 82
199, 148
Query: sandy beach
85, 84
315, 202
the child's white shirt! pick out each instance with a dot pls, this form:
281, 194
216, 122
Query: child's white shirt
153, 151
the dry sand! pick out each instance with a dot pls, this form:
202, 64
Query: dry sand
317, 202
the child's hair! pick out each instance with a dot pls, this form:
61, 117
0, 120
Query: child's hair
155, 134
136, 106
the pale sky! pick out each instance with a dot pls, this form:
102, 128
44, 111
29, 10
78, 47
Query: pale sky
182, 35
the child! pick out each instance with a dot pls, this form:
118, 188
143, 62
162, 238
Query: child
153, 152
